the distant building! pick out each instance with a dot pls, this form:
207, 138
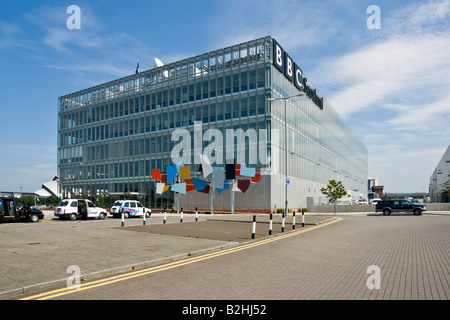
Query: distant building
439, 176
49, 189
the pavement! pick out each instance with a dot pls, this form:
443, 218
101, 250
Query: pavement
42, 256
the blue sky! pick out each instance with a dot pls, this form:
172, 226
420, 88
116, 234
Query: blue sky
391, 85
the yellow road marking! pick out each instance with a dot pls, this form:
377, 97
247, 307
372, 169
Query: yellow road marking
171, 265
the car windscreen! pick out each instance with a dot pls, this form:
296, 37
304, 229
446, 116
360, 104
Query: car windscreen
63, 203
117, 204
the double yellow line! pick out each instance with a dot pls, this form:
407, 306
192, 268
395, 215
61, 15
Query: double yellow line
171, 265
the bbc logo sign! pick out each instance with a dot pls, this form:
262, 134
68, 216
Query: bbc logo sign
283, 62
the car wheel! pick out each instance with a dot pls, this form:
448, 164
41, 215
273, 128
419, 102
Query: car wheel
126, 215
386, 212
33, 218
417, 212
147, 214
73, 217
101, 216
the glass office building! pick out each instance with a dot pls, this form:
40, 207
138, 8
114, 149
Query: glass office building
112, 135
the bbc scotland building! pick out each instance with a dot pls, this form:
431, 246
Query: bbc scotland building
112, 135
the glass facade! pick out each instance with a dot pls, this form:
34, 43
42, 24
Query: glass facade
112, 135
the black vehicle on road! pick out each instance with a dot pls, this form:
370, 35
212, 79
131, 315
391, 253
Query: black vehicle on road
399, 205
16, 208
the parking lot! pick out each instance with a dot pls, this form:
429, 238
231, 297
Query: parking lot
37, 255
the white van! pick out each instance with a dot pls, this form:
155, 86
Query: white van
79, 208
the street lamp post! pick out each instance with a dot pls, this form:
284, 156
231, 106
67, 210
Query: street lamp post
285, 145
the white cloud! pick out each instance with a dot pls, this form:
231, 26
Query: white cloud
403, 76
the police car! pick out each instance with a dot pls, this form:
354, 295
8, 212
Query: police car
130, 208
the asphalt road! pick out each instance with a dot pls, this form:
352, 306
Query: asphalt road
397, 257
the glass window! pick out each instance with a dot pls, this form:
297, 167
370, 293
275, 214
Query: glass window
252, 106
220, 111
212, 112
228, 84
252, 79
177, 95
183, 114
244, 81
212, 88
227, 110
198, 91
261, 104
236, 109
227, 60
243, 56
205, 89
220, 87
191, 93
236, 83
244, 109
205, 113
261, 77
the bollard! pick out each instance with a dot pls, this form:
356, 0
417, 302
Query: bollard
196, 214
270, 225
123, 218
303, 218
282, 224
293, 220
164, 218
181, 215
253, 227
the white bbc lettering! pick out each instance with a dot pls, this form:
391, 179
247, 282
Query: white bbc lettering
288, 67
294, 73
279, 57
298, 77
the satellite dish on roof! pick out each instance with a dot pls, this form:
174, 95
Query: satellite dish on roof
158, 63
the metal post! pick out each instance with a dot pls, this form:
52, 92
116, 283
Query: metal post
196, 214
123, 218
211, 191
293, 220
232, 200
270, 225
303, 218
143, 217
178, 196
181, 215
285, 156
282, 224
253, 227
164, 218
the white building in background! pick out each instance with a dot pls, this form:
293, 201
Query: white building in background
48, 189
439, 176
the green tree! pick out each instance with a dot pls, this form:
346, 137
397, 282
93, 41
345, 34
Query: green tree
29, 200
334, 191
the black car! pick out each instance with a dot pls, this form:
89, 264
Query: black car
399, 205
16, 208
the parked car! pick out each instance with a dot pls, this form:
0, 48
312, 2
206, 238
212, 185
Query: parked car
375, 201
362, 201
16, 208
130, 208
399, 205
79, 208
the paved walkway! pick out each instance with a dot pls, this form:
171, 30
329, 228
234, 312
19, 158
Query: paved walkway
37, 256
